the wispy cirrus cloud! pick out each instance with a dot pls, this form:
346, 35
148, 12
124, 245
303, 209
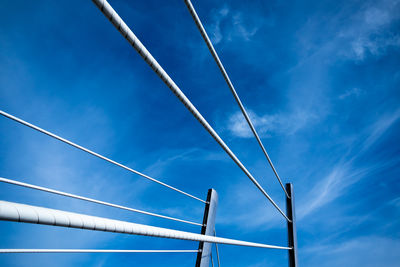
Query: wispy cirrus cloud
353, 35
335, 183
215, 26
351, 92
172, 156
228, 24
361, 251
345, 173
248, 205
371, 31
353, 250
269, 124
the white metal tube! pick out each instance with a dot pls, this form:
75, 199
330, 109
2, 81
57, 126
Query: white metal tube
230, 85
23, 250
216, 248
116, 20
10, 211
5, 114
92, 200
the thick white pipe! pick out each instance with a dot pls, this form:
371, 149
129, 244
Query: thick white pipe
121, 26
45, 189
10, 211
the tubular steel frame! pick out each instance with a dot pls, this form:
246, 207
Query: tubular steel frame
127, 33
10, 211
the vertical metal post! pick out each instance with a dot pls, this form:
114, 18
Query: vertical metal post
204, 254
292, 235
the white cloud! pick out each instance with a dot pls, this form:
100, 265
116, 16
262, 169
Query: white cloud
351, 92
269, 125
244, 31
365, 45
330, 187
356, 35
370, 33
235, 25
215, 27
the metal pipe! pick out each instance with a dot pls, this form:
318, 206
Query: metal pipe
5, 114
126, 32
4, 180
12, 250
230, 85
10, 211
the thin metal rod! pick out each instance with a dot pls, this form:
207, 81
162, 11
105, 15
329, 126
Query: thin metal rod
216, 248
4, 180
92, 251
126, 32
10, 211
5, 114
230, 85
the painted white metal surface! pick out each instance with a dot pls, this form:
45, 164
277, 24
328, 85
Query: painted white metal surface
10, 211
126, 32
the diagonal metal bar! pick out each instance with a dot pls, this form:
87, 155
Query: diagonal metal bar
231, 87
126, 32
10, 211
4, 180
29, 250
216, 248
5, 114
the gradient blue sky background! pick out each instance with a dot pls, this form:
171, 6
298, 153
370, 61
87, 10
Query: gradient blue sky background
320, 79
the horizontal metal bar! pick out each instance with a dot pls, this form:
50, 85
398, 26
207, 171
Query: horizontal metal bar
231, 87
5, 114
10, 211
126, 32
12, 250
4, 180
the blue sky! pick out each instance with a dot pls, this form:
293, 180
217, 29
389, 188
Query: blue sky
320, 79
